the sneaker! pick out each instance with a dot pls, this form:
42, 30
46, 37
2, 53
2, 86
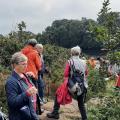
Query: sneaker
53, 115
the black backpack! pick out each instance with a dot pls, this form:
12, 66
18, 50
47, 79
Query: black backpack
75, 81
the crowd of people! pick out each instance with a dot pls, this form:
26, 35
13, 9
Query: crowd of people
25, 86
110, 67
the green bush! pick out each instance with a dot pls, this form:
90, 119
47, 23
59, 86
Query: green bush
97, 84
8, 47
108, 109
55, 59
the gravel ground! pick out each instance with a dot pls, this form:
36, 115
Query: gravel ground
67, 112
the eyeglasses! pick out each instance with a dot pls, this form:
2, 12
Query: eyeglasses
22, 63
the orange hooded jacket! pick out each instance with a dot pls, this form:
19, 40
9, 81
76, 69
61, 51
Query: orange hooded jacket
34, 61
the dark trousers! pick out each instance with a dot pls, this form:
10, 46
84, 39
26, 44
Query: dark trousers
41, 92
81, 106
41, 87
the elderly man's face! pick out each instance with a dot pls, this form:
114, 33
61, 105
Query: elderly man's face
40, 50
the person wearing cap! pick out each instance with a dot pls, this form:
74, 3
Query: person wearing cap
63, 95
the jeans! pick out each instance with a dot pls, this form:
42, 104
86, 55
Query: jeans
41, 87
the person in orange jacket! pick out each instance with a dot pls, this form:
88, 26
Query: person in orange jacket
34, 62
92, 62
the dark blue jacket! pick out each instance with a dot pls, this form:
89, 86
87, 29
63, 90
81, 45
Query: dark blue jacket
17, 98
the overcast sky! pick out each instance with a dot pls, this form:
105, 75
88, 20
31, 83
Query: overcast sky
38, 14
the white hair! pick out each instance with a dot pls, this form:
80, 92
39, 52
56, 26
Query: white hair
75, 51
39, 46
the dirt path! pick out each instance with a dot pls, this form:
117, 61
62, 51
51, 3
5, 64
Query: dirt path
67, 112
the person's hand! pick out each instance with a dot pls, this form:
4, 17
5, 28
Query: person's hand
116, 75
32, 91
30, 74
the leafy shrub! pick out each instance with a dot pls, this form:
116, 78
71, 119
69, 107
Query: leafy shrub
97, 84
55, 58
109, 109
114, 57
8, 47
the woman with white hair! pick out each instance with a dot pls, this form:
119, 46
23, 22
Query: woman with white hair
64, 93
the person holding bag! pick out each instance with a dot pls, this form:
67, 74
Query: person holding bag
63, 93
20, 91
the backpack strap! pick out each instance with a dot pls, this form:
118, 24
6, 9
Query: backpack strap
71, 68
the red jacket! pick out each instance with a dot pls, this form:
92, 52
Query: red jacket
34, 61
62, 93
63, 96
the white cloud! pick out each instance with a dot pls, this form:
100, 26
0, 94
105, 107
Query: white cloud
39, 14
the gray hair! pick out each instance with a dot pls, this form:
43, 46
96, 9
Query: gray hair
39, 46
75, 51
32, 42
18, 57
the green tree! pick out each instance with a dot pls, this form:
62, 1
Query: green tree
109, 30
21, 26
102, 15
109, 21
68, 33
8, 47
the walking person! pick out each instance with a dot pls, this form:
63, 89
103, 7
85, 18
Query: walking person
63, 95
